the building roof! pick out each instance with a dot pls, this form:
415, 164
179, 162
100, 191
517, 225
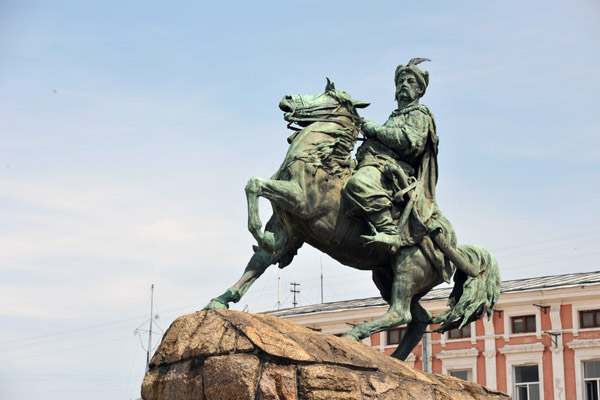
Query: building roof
517, 285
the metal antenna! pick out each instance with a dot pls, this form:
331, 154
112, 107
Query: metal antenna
295, 290
321, 279
140, 331
150, 331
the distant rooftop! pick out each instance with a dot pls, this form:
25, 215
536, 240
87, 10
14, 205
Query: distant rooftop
517, 285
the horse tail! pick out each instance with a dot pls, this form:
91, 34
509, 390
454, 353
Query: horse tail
471, 297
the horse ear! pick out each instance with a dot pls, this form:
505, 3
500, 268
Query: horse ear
329, 86
360, 104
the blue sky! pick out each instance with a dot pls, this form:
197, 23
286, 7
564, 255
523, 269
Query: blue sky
129, 130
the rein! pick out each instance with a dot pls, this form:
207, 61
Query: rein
320, 114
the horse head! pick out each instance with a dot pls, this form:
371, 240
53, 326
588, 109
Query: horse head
304, 109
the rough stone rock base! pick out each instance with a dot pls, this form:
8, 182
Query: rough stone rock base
222, 355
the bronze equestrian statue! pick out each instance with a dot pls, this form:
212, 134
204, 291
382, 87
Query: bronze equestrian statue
377, 212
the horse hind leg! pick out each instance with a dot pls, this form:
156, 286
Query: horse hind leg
398, 314
408, 266
414, 330
402, 290
285, 195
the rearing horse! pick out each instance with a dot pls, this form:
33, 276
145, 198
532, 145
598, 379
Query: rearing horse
306, 197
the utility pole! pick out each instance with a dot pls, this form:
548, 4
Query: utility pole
321, 279
425, 354
279, 288
295, 290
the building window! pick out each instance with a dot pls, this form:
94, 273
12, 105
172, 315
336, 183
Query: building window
464, 332
591, 377
589, 319
394, 336
527, 383
523, 324
464, 374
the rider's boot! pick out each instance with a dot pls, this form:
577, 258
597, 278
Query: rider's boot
386, 231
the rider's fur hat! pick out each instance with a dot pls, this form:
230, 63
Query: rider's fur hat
422, 76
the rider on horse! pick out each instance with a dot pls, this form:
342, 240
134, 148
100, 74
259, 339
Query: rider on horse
414, 246
406, 143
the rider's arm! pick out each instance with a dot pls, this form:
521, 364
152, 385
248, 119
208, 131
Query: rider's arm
406, 135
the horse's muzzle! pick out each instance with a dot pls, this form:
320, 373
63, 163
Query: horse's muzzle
285, 104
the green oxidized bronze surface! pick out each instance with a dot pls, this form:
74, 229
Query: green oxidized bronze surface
377, 212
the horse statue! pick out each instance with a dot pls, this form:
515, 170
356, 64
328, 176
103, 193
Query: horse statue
306, 197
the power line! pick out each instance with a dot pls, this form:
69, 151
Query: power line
63, 350
68, 331
549, 240
551, 261
548, 249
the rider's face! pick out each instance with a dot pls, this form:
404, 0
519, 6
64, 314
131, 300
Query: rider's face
407, 88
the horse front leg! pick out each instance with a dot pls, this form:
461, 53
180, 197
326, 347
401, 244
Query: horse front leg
257, 265
286, 195
407, 271
259, 262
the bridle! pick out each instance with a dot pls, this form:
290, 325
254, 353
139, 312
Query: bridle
322, 113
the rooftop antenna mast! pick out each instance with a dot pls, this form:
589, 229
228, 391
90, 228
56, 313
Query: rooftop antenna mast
139, 331
294, 289
150, 330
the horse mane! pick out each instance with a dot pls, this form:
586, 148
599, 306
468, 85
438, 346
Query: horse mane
332, 156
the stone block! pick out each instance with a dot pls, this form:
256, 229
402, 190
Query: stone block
231, 377
327, 382
277, 382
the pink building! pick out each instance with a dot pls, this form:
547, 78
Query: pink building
542, 342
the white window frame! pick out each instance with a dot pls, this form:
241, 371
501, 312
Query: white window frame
576, 308
445, 337
520, 355
469, 372
410, 360
521, 311
462, 359
384, 334
594, 379
527, 384
585, 350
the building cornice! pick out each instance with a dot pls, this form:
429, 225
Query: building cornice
583, 343
522, 348
460, 353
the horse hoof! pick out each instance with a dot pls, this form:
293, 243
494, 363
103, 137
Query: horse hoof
216, 304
